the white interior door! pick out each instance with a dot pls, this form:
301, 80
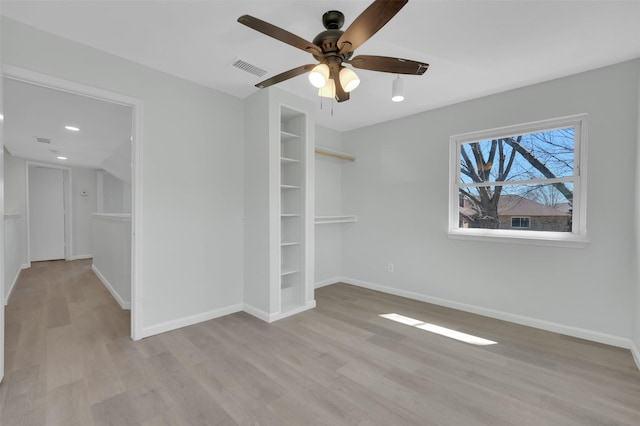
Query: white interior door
46, 213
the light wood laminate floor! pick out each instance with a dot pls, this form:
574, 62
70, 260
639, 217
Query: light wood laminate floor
70, 361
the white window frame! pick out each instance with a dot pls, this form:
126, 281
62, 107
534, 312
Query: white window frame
577, 238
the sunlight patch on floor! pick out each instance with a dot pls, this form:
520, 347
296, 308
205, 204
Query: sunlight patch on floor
443, 331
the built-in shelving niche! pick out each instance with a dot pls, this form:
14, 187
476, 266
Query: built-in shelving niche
292, 209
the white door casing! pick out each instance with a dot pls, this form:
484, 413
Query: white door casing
46, 213
1, 229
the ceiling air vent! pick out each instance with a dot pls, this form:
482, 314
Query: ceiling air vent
245, 66
42, 140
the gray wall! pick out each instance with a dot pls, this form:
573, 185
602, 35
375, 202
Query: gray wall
82, 179
14, 203
257, 262
399, 190
636, 328
328, 241
14, 184
115, 193
15, 228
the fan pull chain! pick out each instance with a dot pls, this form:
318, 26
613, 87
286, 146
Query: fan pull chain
331, 105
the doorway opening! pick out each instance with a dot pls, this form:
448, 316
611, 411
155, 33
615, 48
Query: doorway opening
79, 183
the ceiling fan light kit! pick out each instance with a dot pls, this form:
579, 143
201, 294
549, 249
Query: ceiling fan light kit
319, 77
333, 48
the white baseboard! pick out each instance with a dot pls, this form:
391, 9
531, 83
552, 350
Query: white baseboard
266, 317
327, 282
123, 303
581, 333
15, 280
190, 320
81, 256
258, 313
636, 354
206, 316
281, 315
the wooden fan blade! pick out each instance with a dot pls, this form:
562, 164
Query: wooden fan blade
387, 64
368, 23
285, 76
279, 34
341, 95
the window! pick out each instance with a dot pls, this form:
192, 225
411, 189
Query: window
522, 183
521, 222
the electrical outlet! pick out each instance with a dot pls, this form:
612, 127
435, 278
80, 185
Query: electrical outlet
390, 267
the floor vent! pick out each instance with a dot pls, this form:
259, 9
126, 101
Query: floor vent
42, 140
245, 66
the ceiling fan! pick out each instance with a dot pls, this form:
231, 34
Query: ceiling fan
333, 48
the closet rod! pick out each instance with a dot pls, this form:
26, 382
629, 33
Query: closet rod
335, 154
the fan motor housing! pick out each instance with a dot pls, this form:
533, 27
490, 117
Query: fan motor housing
327, 40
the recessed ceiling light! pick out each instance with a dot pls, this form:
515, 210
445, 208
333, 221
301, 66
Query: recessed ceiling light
61, 157
72, 128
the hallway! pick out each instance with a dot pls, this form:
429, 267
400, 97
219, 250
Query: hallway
59, 322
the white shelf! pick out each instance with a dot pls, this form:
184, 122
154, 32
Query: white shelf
334, 153
288, 272
289, 215
286, 136
289, 187
320, 220
285, 160
289, 243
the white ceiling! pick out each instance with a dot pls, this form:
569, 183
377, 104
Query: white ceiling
474, 48
32, 111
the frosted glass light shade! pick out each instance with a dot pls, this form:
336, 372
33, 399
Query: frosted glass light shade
348, 79
319, 75
329, 90
397, 90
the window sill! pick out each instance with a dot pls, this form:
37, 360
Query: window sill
535, 238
